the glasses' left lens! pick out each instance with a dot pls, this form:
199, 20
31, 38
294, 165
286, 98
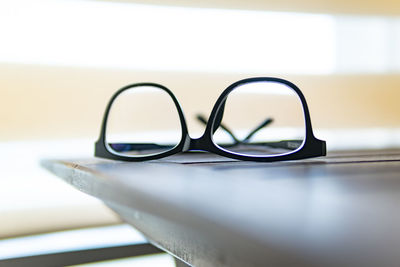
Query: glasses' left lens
143, 121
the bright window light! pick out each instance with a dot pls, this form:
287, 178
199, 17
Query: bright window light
367, 44
146, 37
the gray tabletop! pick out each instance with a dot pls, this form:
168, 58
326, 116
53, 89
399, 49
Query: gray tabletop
340, 210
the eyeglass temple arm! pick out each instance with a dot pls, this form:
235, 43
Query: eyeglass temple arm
202, 119
259, 127
248, 137
218, 123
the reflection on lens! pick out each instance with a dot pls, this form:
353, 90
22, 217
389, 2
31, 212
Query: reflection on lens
143, 121
260, 119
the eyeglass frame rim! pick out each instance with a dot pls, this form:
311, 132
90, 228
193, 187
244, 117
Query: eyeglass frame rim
311, 146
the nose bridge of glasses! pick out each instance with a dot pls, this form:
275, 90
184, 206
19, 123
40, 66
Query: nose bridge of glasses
196, 144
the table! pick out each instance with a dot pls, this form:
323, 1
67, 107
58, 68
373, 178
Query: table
339, 210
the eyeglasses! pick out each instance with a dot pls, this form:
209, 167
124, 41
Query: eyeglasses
268, 119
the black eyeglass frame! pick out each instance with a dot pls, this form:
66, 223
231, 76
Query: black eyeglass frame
311, 146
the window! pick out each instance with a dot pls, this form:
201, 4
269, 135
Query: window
59, 57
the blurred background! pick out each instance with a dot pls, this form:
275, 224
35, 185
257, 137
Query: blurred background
60, 61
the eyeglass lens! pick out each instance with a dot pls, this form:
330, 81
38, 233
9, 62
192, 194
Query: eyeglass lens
143, 121
263, 118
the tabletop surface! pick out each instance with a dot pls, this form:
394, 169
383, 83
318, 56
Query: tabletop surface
339, 210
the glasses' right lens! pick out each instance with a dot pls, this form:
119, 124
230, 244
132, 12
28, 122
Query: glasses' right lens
260, 119
143, 121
